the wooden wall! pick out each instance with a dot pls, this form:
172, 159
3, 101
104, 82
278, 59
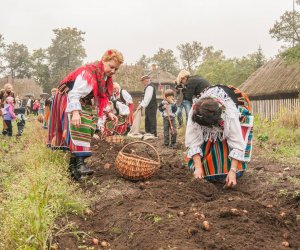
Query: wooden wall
270, 108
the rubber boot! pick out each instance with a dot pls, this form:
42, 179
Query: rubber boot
82, 168
73, 169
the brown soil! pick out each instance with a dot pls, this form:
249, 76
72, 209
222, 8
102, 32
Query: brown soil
168, 210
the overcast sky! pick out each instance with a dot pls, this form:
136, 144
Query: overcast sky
138, 27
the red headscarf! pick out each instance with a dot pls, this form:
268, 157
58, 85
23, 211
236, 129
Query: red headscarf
93, 74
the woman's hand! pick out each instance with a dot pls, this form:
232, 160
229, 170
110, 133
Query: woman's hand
112, 117
231, 179
76, 119
231, 176
96, 137
198, 173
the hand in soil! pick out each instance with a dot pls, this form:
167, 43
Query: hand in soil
231, 179
198, 173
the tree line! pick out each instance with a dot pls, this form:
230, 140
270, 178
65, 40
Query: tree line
66, 52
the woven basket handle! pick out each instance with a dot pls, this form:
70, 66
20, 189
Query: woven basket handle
148, 144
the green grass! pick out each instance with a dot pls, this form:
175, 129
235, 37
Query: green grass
277, 142
34, 190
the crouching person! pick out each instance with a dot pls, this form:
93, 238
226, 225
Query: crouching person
219, 135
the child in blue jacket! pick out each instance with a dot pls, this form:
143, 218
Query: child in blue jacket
168, 109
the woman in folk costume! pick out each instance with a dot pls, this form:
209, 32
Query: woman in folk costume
82, 94
123, 106
48, 105
219, 134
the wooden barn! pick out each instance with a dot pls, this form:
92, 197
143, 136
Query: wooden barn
273, 87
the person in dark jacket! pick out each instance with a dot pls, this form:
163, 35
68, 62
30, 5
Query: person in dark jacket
192, 87
149, 103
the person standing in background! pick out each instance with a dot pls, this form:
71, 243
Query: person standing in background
4, 93
149, 103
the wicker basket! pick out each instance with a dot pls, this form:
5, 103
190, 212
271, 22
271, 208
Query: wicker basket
115, 138
134, 167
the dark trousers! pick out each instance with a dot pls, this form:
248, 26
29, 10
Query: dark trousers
36, 112
150, 120
168, 131
8, 130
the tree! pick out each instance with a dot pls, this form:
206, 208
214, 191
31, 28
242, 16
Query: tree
2, 48
291, 55
17, 58
166, 60
190, 54
210, 53
40, 69
287, 29
144, 62
65, 53
217, 69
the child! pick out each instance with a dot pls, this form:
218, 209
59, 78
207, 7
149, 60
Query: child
8, 115
168, 109
20, 120
36, 107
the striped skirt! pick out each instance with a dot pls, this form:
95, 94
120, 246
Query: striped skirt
62, 135
215, 161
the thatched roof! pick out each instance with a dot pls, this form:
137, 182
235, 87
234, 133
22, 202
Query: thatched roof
23, 86
160, 76
129, 77
274, 78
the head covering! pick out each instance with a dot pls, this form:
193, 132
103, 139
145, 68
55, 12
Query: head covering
145, 77
93, 74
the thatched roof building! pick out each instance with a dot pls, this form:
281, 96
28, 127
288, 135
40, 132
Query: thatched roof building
160, 76
274, 80
22, 86
129, 77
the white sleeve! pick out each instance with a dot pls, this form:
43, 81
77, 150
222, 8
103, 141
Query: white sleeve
127, 97
148, 96
80, 89
235, 140
193, 137
123, 108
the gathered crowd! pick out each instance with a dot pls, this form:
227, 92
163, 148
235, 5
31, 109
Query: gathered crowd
87, 103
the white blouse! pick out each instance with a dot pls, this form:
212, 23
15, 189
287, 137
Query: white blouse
80, 89
196, 135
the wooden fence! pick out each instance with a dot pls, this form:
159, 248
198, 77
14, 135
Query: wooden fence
271, 108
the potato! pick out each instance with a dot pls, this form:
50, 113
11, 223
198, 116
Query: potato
104, 243
206, 225
285, 244
88, 211
180, 213
107, 166
282, 214
95, 241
